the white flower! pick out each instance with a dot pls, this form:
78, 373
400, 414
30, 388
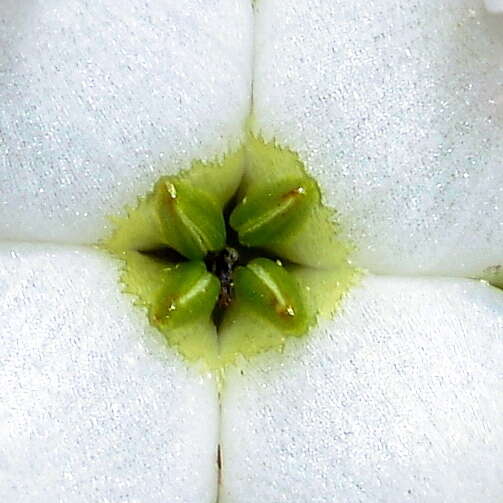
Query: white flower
395, 106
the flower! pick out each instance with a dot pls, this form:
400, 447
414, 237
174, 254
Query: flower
394, 108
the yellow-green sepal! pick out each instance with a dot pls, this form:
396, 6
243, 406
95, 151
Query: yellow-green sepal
244, 333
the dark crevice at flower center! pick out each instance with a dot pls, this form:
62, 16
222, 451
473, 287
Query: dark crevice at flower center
222, 265
168, 255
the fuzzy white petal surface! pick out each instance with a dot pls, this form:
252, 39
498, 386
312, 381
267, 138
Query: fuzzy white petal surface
397, 108
399, 399
93, 405
495, 6
98, 98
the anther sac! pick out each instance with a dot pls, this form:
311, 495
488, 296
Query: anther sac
494, 275
190, 219
188, 292
268, 214
272, 292
231, 258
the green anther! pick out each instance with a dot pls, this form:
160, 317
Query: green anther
272, 292
190, 219
271, 213
494, 275
188, 292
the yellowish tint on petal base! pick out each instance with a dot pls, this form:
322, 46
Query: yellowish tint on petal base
308, 248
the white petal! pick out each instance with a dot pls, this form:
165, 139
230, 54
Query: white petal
94, 407
397, 107
97, 98
495, 6
399, 399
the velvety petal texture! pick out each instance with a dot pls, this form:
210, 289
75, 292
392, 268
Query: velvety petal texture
399, 399
93, 405
495, 6
397, 108
100, 97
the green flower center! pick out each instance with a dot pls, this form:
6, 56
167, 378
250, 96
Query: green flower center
231, 258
